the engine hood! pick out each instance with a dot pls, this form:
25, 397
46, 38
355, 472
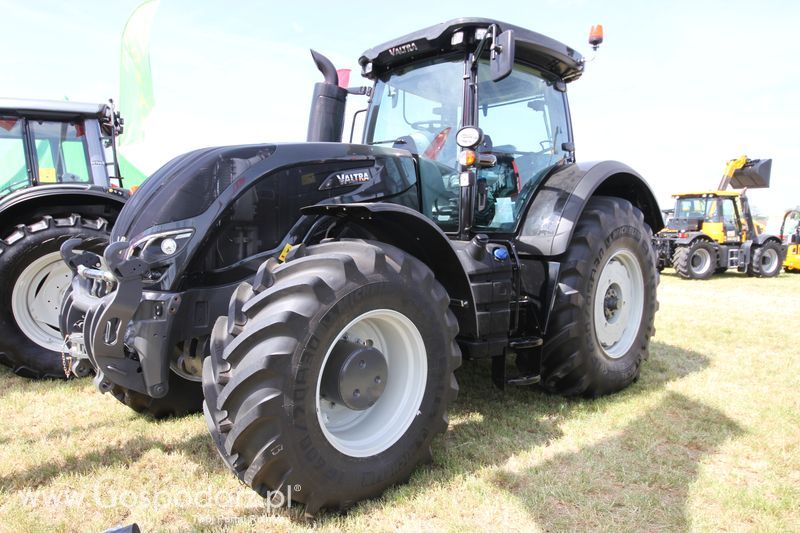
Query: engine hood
197, 193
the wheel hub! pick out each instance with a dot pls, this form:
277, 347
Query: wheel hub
612, 302
355, 375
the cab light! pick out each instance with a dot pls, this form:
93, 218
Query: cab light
596, 36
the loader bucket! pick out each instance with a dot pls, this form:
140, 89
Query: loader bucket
754, 175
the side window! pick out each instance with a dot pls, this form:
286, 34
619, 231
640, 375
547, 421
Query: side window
524, 121
13, 168
61, 151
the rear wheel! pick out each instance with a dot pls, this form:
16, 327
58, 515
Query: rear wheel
766, 261
696, 261
331, 376
602, 319
35, 279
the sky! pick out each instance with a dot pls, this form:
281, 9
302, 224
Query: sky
676, 90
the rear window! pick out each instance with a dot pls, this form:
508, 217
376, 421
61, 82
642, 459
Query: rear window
61, 151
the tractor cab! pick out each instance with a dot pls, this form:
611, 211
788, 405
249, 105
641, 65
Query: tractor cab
718, 214
43, 142
454, 91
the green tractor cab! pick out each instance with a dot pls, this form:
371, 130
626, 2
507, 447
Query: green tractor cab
58, 180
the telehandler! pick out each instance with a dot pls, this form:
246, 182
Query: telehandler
712, 231
325, 293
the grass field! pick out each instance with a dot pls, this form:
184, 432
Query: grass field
707, 439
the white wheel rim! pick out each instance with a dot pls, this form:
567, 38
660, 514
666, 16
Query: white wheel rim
700, 261
769, 261
619, 303
36, 300
374, 430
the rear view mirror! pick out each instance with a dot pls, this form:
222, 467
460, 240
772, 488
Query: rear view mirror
502, 55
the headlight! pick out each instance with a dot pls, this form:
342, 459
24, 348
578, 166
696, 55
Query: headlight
169, 246
159, 245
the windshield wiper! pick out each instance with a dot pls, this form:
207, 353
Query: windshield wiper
399, 140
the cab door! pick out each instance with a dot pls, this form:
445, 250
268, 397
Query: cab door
526, 127
731, 221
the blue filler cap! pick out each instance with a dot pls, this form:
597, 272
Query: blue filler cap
501, 254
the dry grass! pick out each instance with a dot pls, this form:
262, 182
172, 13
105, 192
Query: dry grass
708, 439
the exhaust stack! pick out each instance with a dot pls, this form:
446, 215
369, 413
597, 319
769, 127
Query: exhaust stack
326, 118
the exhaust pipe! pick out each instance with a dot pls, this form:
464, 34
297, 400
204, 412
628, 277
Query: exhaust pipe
326, 118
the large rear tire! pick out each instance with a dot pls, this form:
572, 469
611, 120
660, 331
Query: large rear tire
603, 315
766, 261
696, 261
282, 398
35, 279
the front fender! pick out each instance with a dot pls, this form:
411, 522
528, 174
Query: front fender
415, 234
691, 237
559, 201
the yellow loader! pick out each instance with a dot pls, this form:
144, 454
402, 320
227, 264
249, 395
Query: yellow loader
713, 230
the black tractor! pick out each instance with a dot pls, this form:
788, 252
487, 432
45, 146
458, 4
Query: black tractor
324, 293
58, 180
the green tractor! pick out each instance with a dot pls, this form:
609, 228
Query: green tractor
319, 296
58, 180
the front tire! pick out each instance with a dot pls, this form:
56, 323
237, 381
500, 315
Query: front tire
603, 315
35, 279
282, 402
696, 261
183, 398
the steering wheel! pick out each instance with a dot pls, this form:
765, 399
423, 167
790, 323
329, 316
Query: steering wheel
12, 186
432, 126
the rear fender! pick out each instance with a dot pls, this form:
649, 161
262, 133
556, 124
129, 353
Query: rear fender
557, 205
25, 205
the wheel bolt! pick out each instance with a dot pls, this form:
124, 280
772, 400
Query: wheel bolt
378, 380
356, 393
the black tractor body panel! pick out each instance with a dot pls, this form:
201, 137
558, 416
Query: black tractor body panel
560, 198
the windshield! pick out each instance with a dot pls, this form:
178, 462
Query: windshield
696, 208
422, 107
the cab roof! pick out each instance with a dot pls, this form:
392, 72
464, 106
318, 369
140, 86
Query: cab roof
51, 108
531, 47
706, 194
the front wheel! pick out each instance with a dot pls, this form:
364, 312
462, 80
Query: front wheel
332, 373
696, 261
603, 315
